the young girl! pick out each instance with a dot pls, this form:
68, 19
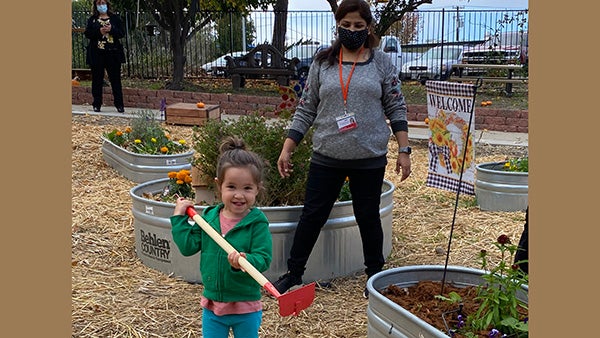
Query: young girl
231, 297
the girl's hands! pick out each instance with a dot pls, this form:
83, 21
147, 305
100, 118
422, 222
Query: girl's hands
181, 206
234, 259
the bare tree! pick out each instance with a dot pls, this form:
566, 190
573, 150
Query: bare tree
389, 13
184, 18
280, 9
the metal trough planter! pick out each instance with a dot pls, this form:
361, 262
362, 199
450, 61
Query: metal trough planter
388, 319
334, 255
143, 167
500, 190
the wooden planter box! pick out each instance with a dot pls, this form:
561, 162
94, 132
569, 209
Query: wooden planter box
190, 114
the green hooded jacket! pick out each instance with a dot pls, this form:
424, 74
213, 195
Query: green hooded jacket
222, 282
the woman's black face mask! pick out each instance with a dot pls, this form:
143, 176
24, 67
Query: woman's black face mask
352, 39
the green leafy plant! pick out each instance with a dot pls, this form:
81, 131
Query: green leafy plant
265, 137
345, 194
146, 136
179, 185
517, 164
453, 298
500, 311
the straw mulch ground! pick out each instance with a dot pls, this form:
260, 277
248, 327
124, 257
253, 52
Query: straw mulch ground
115, 295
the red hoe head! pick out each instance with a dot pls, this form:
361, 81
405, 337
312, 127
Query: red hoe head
292, 302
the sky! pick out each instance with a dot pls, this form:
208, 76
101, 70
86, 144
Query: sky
321, 29
473, 4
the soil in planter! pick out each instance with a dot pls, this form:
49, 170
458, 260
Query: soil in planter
421, 301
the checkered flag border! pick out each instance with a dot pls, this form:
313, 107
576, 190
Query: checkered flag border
450, 88
434, 151
448, 183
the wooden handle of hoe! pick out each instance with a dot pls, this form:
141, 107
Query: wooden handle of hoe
249, 268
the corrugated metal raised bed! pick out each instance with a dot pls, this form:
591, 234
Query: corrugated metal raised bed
388, 319
143, 167
336, 253
501, 190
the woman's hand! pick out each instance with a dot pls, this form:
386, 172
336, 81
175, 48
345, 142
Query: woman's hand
284, 163
403, 164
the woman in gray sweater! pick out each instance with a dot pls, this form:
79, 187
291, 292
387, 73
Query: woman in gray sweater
352, 91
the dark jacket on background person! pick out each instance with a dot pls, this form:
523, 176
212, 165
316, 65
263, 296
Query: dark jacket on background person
112, 45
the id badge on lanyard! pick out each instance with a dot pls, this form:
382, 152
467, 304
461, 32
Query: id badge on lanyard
347, 121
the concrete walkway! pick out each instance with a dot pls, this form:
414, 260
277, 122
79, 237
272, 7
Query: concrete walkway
480, 136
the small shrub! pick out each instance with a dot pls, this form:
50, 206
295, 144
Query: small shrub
265, 137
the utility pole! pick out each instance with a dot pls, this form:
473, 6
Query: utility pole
459, 23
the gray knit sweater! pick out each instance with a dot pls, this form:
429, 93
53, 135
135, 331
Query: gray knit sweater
374, 96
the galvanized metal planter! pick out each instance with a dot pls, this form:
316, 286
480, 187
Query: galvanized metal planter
388, 319
500, 190
143, 167
336, 253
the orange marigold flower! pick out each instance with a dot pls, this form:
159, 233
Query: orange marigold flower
180, 182
128, 130
172, 174
167, 135
119, 133
164, 149
188, 179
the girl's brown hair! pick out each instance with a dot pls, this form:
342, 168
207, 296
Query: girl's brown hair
233, 154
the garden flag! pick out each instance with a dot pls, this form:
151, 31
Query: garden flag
449, 109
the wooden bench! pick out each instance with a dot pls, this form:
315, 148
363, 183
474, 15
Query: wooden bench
263, 61
459, 71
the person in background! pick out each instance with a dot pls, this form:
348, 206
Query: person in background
352, 91
231, 297
522, 254
104, 29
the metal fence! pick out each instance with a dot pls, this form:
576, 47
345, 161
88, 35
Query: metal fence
148, 54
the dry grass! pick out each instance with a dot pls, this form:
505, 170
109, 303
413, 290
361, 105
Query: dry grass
115, 295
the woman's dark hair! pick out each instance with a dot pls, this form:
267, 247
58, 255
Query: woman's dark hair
233, 154
347, 6
95, 10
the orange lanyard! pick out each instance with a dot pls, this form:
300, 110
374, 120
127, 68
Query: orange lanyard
345, 87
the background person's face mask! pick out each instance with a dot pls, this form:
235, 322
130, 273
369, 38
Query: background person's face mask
102, 8
352, 39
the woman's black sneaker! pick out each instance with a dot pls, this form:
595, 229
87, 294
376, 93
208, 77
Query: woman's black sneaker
96, 109
286, 281
121, 109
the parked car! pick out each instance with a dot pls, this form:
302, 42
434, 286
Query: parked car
502, 48
434, 64
306, 54
218, 67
